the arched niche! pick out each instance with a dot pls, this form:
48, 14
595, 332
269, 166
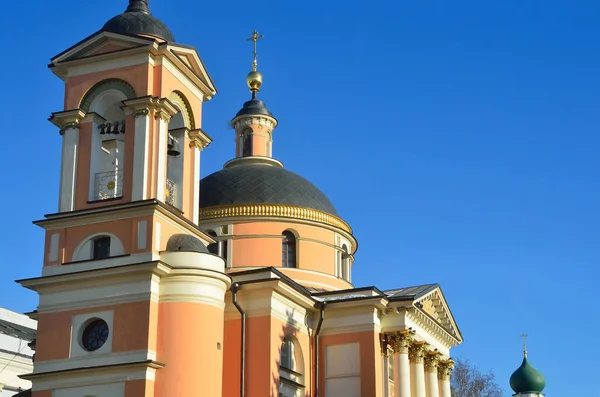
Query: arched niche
107, 152
292, 379
85, 249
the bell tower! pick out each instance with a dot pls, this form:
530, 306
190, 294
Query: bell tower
129, 295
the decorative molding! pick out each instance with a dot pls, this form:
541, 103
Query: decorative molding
67, 119
445, 368
416, 352
177, 98
273, 210
199, 139
245, 120
401, 341
432, 360
99, 88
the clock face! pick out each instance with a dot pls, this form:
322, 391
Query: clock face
95, 335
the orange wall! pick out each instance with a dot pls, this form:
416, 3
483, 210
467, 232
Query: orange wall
231, 358
188, 344
131, 330
42, 393
77, 86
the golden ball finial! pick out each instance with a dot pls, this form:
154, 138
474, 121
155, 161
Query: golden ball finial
254, 80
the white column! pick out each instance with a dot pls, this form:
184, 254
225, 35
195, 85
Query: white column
402, 382
139, 188
417, 370
444, 370
431, 375
68, 171
196, 176
161, 174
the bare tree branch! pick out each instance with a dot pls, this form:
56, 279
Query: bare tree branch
468, 381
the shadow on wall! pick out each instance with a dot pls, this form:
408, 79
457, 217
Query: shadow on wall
294, 372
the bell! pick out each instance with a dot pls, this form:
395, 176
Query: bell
115, 128
102, 129
173, 148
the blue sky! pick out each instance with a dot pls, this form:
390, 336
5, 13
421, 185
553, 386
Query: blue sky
459, 139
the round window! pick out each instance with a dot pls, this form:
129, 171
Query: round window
94, 335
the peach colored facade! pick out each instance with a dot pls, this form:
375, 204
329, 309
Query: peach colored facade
144, 294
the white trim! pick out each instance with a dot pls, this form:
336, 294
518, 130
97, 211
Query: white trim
157, 236
196, 176
161, 172
53, 249
140, 159
110, 375
181, 77
96, 360
84, 249
48, 271
142, 234
68, 170
78, 325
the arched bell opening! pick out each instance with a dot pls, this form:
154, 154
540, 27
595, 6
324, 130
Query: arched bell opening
107, 152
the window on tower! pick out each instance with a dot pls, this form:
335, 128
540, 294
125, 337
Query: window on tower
101, 248
247, 138
288, 249
214, 247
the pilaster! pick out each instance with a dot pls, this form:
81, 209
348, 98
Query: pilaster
140, 109
68, 122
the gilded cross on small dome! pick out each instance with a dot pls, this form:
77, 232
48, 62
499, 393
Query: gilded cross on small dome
524, 338
255, 37
254, 78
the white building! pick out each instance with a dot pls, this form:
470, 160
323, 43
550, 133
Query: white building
17, 332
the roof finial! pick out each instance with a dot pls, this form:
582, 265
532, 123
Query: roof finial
138, 6
524, 337
254, 78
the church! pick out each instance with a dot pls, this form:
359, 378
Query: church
158, 283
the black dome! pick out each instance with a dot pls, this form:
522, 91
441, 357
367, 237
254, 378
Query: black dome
261, 184
137, 19
185, 243
252, 107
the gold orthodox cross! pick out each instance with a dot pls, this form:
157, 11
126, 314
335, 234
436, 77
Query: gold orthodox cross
255, 37
524, 337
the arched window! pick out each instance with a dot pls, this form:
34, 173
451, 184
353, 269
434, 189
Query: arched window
220, 247
291, 370
247, 148
288, 250
101, 247
345, 263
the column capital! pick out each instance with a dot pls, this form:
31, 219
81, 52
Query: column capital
445, 368
199, 139
432, 360
164, 109
401, 341
139, 107
67, 119
416, 352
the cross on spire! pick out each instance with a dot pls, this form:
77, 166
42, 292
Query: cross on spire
255, 37
524, 338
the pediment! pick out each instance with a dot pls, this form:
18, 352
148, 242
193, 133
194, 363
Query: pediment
434, 305
101, 43
188, 56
